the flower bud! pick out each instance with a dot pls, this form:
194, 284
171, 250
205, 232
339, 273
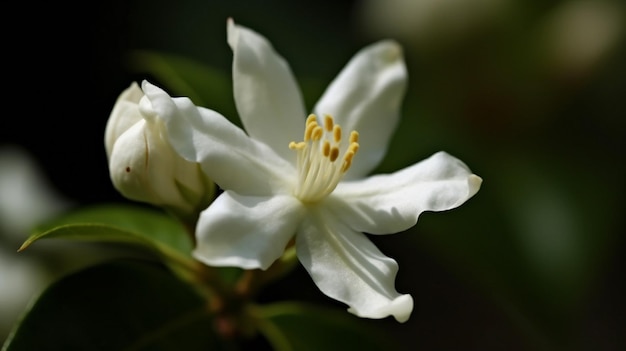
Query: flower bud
142, 164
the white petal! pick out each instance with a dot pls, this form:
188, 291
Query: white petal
246, 231
227, 155
347, 267
267, 95
128, 165
385, 204
366, 96
125, 113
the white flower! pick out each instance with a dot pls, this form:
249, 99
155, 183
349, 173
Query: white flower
275, 187
142, 164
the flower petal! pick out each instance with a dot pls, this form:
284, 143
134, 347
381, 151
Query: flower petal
267, 95
385, 204
366, 97
227, 155
346, 266
125, 113
246, 231
129, 168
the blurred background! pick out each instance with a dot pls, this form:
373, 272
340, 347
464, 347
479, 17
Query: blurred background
530, 94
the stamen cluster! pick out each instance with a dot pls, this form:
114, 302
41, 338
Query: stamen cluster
318, 169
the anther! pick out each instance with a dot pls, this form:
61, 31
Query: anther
312, 118
318, 171
334, 153
296, 146
328, 122
309, 130
347, 161
317, 133
354, 137
337, 133
354, 147
326, 148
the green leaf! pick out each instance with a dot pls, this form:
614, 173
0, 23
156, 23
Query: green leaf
122, 305
149, 229
290, 326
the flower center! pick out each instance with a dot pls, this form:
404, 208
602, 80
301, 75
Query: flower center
319, 170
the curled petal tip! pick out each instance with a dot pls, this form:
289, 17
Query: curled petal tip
232, 34
400, 308
393, 51
149, 88
230, 23
474, 182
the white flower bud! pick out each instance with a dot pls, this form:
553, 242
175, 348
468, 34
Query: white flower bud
142, 164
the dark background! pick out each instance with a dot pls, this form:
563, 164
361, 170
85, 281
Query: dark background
547, 140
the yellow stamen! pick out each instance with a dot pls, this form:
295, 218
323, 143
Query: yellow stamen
318, 174
317, 133
334, 153
297, 146
328, 122
312, 118
337, 133
347, 161
354, 137
354, 147
326, 148
309, 130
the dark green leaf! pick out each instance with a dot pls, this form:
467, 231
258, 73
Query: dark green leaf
123, 305
149, 229
298, 327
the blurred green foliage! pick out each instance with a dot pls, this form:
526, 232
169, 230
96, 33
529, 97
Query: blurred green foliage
108, 307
